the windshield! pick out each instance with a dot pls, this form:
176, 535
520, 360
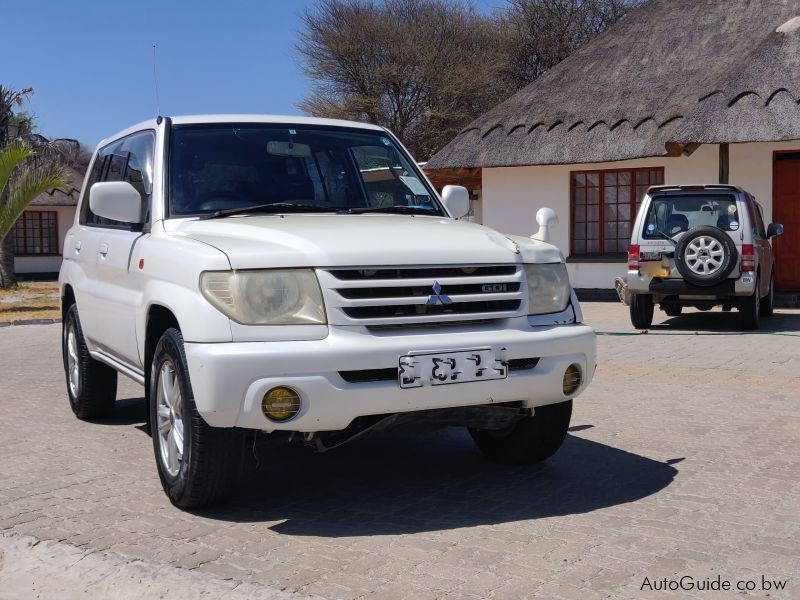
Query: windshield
674, 214
229, 167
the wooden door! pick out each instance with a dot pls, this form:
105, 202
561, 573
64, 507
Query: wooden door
786, 210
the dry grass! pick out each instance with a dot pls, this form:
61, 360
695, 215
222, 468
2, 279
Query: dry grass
30, 300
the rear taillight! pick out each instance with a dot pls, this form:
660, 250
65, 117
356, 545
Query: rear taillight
633, 257
748, 258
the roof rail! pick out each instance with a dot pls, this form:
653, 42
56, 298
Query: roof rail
708, 186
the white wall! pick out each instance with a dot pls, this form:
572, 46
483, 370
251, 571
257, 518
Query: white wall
48, 264
512, 195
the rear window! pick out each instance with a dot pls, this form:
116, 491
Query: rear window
674, 214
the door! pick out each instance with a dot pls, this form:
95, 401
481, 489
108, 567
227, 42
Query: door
786, 210
80, 248
117, 292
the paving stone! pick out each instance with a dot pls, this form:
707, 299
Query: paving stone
683, 460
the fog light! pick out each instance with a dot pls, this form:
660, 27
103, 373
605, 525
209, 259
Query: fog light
280, 404
572, 379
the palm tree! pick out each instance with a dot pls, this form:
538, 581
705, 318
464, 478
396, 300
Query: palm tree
22, 178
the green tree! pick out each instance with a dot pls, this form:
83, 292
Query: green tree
29, 165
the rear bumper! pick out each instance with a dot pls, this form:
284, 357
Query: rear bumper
230, 379
745, 285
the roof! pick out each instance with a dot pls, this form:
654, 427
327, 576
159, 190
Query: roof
62, 196
242, 118
672, 73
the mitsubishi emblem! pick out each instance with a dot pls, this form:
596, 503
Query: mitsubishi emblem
438, 298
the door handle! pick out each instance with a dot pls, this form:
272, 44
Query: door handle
78, 247
103, 250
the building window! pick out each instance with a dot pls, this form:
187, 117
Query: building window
36, 234
603, 207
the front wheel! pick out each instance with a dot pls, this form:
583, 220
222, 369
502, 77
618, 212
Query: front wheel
641, 308
768, 301
531, 440
198, 464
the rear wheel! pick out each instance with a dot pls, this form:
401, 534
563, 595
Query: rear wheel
768, 301
641, 309
750, 309
198, 464
91, 385
531, 440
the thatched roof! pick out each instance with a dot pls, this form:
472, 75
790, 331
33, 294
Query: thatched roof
67, 196
673, 73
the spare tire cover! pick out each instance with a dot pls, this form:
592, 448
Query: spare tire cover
705, 255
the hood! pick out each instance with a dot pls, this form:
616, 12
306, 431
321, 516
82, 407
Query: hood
315, 240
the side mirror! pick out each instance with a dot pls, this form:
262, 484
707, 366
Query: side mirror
456, 200
116, 200
546, 218
774, 229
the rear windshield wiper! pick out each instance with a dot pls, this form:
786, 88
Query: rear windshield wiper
663, 235
399, 208
274, 207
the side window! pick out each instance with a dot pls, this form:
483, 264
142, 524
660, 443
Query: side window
756, 224
129, 159
762, 231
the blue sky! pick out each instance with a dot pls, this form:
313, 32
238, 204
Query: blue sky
90, 61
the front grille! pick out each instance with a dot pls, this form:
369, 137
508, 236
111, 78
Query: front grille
380, 296
366, 375
522, 364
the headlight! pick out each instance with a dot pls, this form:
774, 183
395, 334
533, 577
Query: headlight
268, 297
548, 288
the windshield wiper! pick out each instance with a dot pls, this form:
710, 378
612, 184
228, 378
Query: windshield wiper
665, 236
273, 207
399, 208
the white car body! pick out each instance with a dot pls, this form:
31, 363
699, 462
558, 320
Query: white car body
123, 280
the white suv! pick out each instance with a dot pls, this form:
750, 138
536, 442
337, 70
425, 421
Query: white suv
285, 274
701, 246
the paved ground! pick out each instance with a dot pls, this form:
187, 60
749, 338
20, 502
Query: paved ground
683, 460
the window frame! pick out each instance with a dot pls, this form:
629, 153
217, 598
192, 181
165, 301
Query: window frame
21, 221
84, 207
601, 173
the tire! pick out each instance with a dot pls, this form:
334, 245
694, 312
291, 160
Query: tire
750, 309
91, 385
673, 310
768, 301
531, 440
641, 309
705, 256
198, 464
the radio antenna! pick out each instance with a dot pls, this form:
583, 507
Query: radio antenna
155, 81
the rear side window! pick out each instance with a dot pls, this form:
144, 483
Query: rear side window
129, 159
756, 220
674, 214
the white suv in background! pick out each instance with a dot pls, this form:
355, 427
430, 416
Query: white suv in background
701, 246
297, 275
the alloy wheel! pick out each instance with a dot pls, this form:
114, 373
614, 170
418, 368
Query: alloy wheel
169, 407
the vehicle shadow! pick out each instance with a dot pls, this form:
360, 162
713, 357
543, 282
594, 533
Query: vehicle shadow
407, 482
127, 411
728, 322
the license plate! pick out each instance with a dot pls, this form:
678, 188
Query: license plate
447, 367
650, 256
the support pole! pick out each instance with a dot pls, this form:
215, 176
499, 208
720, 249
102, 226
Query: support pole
724, 163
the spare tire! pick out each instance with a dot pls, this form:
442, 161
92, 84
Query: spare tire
705, 256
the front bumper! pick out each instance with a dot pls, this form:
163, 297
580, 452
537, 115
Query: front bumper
230, 379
